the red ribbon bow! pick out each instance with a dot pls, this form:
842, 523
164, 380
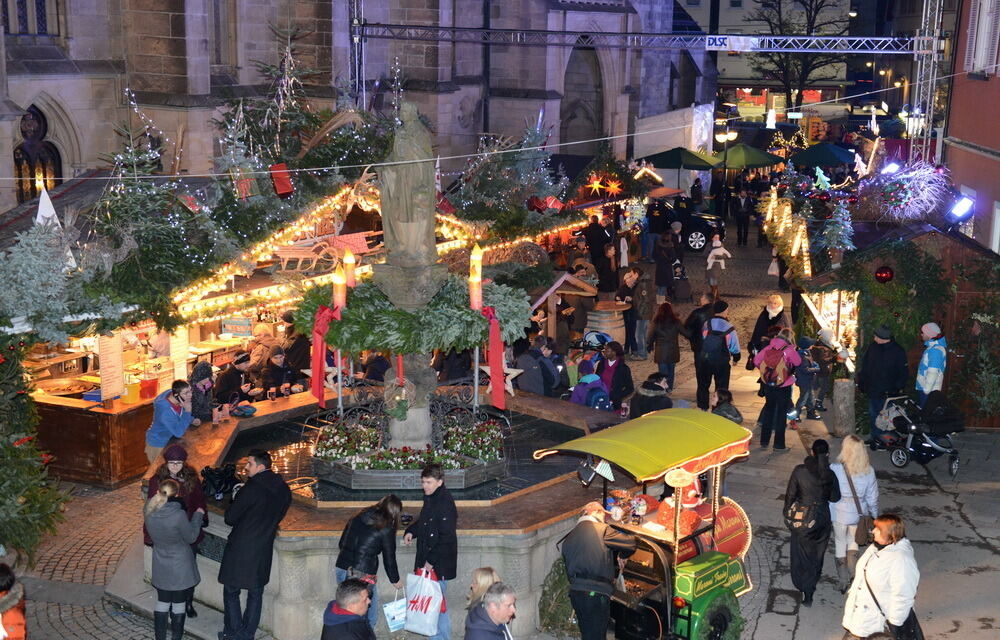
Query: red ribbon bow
324, 316
494, 358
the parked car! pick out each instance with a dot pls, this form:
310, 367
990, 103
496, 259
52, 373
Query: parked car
696, 227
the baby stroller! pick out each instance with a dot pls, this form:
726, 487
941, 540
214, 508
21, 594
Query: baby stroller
920, 434
682, 286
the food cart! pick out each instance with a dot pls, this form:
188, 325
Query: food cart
688, 569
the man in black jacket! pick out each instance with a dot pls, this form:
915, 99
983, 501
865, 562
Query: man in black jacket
883, 371
233, 384
742, 208
695, 322
246, 563
590, 551
344, 618
437, 539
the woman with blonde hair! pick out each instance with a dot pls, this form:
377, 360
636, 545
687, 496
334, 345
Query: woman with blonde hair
175, 571
857, 480
482, 579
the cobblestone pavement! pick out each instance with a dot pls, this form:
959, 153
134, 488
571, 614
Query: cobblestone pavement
66, 588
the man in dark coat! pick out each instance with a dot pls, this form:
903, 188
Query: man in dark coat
345, 617
597, 236
695, 322
233, 383
811, 484
884, 370
488, 620
742, 208
436, 533
246, 563
590, 551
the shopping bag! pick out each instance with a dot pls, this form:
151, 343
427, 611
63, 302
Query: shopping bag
423, 604
395, 612
772, 269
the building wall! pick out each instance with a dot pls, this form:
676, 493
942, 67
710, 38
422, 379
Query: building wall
972, 151
168, 53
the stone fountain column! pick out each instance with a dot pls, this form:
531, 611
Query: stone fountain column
411, 275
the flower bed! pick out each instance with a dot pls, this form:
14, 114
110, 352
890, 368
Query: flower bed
349, 454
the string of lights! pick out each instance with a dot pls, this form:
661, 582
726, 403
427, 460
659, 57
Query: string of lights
548, 145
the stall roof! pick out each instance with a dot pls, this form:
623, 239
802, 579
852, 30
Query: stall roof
658, 442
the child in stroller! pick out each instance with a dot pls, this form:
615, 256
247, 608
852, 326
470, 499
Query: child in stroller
919, 434
682, 287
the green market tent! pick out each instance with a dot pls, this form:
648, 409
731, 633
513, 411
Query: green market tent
681, 158
822, 154
743, 156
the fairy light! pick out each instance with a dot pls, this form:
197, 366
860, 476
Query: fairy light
647, 172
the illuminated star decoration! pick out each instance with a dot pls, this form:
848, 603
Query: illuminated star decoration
614, 187
508, 374
595, 185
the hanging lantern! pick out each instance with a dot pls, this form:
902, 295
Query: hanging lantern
884, 274
282, 180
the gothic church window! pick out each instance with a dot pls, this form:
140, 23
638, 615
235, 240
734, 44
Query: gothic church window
35, 17
37, 162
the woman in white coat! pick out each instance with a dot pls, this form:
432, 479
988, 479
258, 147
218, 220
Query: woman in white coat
885, 584
853, 461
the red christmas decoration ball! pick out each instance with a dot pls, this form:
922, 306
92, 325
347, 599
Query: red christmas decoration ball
884, 274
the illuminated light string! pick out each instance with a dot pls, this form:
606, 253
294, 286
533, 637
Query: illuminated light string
333, 168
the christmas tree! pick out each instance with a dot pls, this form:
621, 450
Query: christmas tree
837, 232
822, 182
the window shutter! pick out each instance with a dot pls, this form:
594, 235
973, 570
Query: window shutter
970, 40
994, 41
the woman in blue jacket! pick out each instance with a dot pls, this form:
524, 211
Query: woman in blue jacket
171, 418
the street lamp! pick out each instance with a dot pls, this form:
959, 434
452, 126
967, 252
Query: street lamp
725, 137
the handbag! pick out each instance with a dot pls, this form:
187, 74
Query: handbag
395, 612
801, 518
909, 630
218, 481
863, 533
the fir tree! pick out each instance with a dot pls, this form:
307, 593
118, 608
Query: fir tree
837, 232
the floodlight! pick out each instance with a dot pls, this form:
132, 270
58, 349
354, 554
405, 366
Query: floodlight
585, 472
962, 209
892, 167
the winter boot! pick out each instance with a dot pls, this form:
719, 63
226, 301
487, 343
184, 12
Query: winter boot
852, 561
819, 406
813, 415
843, 575
160, 621
189, 609
177, 626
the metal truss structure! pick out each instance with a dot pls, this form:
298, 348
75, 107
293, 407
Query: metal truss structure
928, 65
597, 39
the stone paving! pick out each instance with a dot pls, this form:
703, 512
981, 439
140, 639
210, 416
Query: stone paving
954, 523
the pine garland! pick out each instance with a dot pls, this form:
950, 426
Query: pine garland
371, 322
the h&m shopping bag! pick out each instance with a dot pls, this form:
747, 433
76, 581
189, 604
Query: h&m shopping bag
423, 604
395, 612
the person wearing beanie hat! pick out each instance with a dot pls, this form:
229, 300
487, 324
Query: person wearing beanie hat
588, 380
930, 373
277, 376
298, 347
883, 371
812, 486
175, 467
719, 345
232, 385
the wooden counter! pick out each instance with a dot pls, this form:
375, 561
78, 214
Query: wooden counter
91, 444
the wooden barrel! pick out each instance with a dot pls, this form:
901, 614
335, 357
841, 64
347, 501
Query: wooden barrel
607, 317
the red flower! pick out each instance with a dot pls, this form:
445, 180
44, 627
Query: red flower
24, 440
46, 458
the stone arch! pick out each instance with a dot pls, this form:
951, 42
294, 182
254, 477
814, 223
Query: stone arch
62, 132
583, 106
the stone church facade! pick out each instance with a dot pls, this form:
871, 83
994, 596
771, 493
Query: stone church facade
67, 64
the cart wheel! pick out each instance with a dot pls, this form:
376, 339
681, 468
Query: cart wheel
953, 466
722, 620
899, 457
